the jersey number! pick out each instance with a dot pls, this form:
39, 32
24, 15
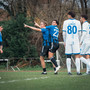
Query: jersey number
72, 29
56, 33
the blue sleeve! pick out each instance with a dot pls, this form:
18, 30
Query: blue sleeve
43, 29
48, 27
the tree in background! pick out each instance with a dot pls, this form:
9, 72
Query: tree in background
15, 39
46, 10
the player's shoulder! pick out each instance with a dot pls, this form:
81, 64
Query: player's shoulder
50, 26
43, 29
66, 21
86, 24
77, 20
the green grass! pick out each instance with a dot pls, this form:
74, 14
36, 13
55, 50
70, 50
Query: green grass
43, 82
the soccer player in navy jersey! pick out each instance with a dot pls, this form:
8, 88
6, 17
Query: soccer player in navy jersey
45, 45
1, 51
54, 43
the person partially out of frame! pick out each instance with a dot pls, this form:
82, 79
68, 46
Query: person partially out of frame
1, 46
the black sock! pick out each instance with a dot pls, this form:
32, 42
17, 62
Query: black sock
54, 69
54, 61
44, 69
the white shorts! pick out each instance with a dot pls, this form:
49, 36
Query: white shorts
72, 49
85, 49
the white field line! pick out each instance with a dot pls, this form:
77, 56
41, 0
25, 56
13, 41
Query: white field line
27, 79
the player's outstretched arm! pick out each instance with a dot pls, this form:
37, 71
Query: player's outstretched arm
64, 33
36, 24
33, 28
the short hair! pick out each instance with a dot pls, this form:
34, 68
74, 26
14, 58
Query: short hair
71, 13
57, 22
84, 16
44, 22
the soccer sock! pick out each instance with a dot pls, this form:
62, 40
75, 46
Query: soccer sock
68, 62
44, 69
87, 70
84, 60
77, 65
54, 61
54, 69
89, 64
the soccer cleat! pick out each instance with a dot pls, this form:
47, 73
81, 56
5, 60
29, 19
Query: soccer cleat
88, 73
44, 73
55, 73
79, 73
69, 73
57, 69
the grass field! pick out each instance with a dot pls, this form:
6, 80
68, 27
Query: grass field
33, 80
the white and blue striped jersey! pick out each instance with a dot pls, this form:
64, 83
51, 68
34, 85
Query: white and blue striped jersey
71, 31
85, 38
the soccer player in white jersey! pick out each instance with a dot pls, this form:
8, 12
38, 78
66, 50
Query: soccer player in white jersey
85, 41
71, 28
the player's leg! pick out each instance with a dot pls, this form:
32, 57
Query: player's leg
44, 53
68, 52
52, 50
52, 58
77, 61
76, 52
87, 67
43, 64
89, 63
54, 69
84, 49
68, 63
88, 57
84, 60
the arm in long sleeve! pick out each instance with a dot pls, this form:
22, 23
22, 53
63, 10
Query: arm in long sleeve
64, 36
64, 32
82, 37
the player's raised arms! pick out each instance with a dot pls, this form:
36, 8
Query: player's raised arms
33, 28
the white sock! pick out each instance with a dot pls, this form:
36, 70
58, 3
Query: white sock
89, 64
84, 60
88, 67
77, 65
68, 62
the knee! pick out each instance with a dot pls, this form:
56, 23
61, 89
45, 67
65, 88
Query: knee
77, 56
41, 58
68, 56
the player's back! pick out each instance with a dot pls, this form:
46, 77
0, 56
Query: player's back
72, 27
86, 28
54, 33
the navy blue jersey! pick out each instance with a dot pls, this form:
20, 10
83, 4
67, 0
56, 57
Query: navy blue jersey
0, 37
45, 33
54, 33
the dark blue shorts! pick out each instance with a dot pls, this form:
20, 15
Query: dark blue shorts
45, 50
53, 47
